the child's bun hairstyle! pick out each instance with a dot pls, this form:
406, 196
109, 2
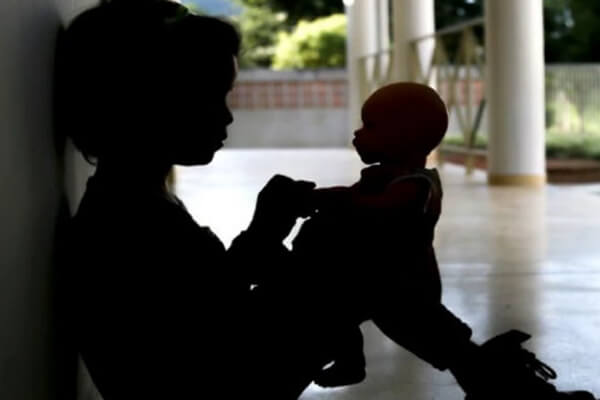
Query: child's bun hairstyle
121, 62
414, 109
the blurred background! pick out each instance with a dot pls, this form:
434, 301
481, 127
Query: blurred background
295, 65
517, 242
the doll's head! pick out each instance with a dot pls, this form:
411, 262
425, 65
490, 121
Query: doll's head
402, 123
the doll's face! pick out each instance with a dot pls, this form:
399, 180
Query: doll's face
366, 140
401, 122
383, 136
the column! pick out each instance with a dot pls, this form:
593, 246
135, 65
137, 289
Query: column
515, 92
362, 40
383, 24
412, 19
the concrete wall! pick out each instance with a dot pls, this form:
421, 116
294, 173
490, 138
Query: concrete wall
274, 109
31, 182
290, 128
290, 109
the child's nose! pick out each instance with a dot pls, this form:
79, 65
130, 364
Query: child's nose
229, 118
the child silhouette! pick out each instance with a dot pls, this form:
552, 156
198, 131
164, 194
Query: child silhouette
156, 310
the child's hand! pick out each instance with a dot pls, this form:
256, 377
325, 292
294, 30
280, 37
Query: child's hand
280, 203
332, 197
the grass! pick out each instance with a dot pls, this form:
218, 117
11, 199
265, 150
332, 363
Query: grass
455, 140
561, 146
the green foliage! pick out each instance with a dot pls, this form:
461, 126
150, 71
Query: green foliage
315, 44
259, 27
451, 12
195, 8
557, 145
572, 28
297, 10
572, 99
458, 140
573, 146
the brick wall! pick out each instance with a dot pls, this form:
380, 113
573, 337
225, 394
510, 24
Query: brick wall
305, 108
460, 91
260, 89
257, 89
290, 109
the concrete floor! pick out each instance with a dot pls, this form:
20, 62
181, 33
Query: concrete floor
510, 258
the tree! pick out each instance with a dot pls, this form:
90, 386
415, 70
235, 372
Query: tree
259, 27
572, 27
314, 44
297, 10
451, 12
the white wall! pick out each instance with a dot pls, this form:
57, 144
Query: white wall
31, 188
312, 127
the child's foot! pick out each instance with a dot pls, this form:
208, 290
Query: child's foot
511, 372
340, 374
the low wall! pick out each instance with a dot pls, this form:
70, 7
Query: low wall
304, 109
290, 109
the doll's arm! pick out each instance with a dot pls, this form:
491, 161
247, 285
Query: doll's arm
399, 198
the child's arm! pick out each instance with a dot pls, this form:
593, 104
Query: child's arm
260, 248
256, 260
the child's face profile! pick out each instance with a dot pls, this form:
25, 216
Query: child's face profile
201, 119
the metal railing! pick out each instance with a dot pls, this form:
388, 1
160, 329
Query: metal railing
573, 99
375, 71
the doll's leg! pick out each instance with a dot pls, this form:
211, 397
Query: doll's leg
430, 331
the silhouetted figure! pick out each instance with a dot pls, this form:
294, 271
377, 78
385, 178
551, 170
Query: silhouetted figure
160, 308
158, 312
372, 245
379, 233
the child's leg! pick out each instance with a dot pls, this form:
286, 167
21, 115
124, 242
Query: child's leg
348, 366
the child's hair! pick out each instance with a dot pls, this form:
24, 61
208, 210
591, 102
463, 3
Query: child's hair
120, 63
414, 109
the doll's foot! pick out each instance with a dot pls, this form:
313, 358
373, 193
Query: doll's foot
508, 371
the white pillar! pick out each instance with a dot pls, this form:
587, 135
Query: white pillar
383, 24
412, 19
515, 92
362, 40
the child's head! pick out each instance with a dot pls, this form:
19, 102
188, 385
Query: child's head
146, 81
402, 121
